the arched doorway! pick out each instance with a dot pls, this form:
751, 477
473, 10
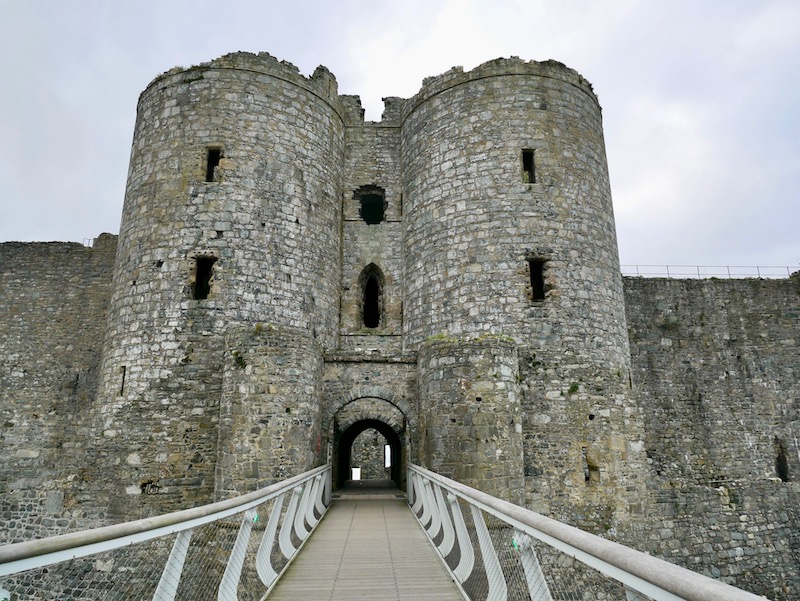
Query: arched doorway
368, 409
370, 456
344, 447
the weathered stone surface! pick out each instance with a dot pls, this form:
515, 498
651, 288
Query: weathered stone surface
716, 369
293, 286
53, 307
269, 414
472, 421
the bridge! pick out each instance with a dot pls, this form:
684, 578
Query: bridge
298, 539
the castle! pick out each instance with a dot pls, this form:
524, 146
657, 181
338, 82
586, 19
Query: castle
288, 276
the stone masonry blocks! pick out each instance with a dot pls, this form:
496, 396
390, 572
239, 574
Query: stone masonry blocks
473, 419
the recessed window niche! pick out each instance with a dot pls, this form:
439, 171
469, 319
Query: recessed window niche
371, 204
536, 267
371, 282
204, 271
528, 166
212, 162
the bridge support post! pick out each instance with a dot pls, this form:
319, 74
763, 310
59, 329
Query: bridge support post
233, 571
171, 576
537, 585
263, 560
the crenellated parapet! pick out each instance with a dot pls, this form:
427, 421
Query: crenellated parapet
499, 67
321, 83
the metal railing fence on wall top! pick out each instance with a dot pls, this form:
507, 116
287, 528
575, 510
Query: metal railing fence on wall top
208, 552
499, 551
709, 271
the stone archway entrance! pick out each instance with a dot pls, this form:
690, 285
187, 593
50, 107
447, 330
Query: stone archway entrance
345, 455
383, 424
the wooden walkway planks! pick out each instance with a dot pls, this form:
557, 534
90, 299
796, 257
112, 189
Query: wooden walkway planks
367, 547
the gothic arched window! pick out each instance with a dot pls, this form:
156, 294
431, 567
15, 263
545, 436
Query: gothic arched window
371, 282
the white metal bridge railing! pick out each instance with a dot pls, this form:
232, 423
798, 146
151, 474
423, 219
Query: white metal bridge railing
499, 551
701, 272
208, 552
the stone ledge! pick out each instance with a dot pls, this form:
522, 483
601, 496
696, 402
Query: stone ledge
340, 356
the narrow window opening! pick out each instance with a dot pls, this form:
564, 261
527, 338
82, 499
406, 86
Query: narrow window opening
591, 471
371, 285
372, 308
781, 464
536, 270
122, 371
204, 270
387, 456
528, 167
212, 162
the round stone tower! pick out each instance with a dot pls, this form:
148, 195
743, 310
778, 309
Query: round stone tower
229, 220
509, 234
504, 173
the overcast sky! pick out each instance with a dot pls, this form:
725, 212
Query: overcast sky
700, 99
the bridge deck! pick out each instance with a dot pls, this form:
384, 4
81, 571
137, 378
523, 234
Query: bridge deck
368, 546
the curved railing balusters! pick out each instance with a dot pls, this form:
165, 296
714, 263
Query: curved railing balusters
264, 567
430, 502
285, 537
467, 555
418, 497
448, 539
41, 560
528, 556
300, 515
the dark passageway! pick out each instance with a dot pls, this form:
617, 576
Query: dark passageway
344, 451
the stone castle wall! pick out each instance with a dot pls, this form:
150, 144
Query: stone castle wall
716, 363
53, 306
472, 425
474, 222
371, 389
584, 460
270, 419
716, 369
372, 159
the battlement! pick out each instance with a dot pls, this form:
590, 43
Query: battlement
321, 82
353, 110
499, 67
